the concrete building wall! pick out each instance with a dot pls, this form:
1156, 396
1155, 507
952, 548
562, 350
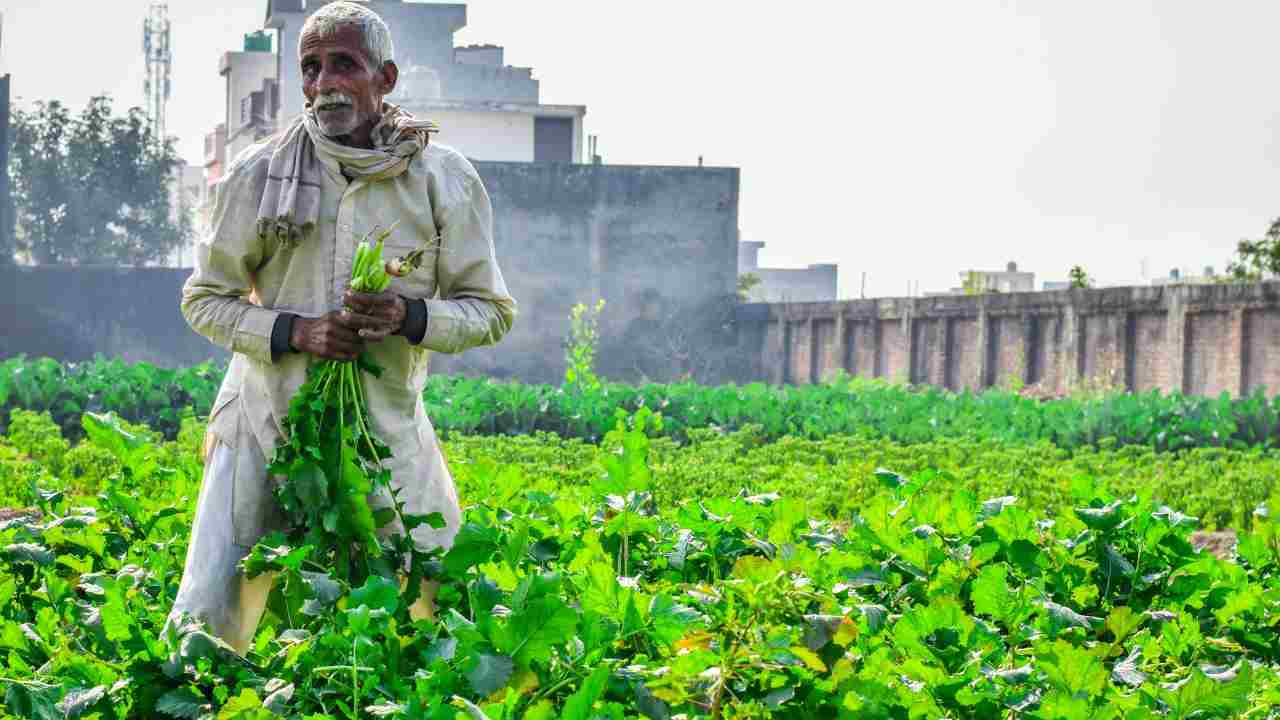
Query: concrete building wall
490, 55
7, 229
243, 73
491, 136
569, 234
61, 315
1198, 339
816, 283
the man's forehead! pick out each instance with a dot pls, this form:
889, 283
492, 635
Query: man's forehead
345, 38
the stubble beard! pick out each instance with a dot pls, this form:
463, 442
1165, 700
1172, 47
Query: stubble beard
339, 123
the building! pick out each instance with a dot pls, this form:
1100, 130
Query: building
1180, 277
186, 193
252, 102
1010, 280
816, 283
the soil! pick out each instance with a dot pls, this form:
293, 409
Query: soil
7, 514
1221, 543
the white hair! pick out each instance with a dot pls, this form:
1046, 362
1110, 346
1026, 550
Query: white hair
377, 37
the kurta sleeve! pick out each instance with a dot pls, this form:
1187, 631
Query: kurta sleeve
215, 298
473, 307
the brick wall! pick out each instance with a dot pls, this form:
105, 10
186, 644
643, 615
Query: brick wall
1202, 340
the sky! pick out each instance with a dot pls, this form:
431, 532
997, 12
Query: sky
909, 140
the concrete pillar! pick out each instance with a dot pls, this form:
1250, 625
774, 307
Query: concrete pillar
1070, 350
1233, 364
1030, 325
838, 348
776, 351
877, 345
947, 357
1175, 335
813, 371
986, 371
1127, 342
909, 337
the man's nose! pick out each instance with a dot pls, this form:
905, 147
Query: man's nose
324, 81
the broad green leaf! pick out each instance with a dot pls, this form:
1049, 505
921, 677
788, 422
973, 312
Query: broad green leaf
1198, 694
76, 702
1073, 670
992, 595
183, 703
489, 673
1122, 621
378, 593
578, 705
474, 544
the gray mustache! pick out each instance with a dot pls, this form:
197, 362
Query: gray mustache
332, 101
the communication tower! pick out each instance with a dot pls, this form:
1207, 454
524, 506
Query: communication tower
157, 50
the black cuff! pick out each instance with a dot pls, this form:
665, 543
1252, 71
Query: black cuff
415, 320
281, 333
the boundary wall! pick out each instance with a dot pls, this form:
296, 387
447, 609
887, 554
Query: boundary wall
1197, 339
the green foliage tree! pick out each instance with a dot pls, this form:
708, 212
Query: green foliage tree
1257, 259
746, 283
1079, 278
93, 187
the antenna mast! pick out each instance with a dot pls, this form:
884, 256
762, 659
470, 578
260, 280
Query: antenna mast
157, 51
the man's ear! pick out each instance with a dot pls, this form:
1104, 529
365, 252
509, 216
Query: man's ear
390, 75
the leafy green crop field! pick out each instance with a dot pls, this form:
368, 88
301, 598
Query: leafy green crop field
720, 575
159, 398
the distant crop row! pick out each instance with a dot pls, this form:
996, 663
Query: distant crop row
832, 476
871, 409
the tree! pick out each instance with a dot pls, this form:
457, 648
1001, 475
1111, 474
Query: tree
747, 282
1256, 259
1079, 278
93, 188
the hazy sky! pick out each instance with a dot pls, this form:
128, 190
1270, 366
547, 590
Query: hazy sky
909, 140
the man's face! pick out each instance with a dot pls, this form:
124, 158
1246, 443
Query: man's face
343, 85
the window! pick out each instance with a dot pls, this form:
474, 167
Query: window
553, 139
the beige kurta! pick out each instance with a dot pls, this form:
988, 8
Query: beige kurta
241, 284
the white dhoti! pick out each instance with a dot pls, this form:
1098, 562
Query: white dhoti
236, 508
213, 589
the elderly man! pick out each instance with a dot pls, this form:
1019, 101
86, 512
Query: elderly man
270, 284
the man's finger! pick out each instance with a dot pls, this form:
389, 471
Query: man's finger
375, 335
366, 302
360, 321
339, 332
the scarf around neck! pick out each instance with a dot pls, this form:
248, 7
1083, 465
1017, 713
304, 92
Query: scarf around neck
290, 204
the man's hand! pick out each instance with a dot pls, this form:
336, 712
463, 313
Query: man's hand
386, 309
335, 336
